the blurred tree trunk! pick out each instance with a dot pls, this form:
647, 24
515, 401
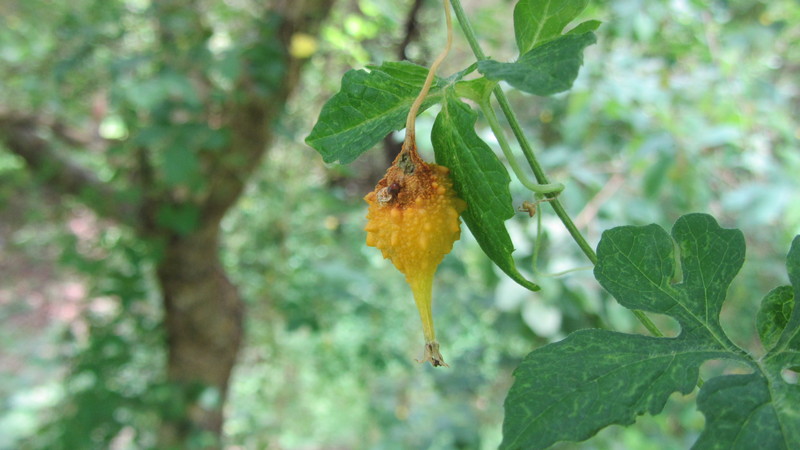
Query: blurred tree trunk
203, 309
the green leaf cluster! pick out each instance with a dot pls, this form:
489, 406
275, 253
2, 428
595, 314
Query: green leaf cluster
549, 60
571, 389
375, 102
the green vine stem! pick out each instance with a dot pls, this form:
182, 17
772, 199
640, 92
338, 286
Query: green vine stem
494, 124
527, 150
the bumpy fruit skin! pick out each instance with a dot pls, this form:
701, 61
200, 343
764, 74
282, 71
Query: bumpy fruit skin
413, 218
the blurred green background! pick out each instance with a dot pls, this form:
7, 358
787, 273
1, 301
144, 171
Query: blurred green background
682, 106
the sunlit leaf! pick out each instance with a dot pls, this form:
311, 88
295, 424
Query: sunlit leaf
538, 21
370, 105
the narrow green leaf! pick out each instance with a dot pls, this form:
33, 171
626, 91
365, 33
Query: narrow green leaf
773, 316
369, 106
480, 179
538, 21
545, 70
594, 378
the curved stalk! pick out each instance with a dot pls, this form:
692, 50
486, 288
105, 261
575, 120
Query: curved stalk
426, 87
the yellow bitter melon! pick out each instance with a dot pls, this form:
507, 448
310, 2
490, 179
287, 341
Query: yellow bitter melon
413, 218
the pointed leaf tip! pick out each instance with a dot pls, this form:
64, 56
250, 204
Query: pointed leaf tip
481, 180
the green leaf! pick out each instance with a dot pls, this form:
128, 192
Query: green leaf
790, 338
480, 179
477, 89
545, 70
585, 27
369, 106
538, 21
773, 316
571, 389
760, 410
745, 412
636, 265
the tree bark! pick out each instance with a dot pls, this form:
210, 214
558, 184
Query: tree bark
204, 311
203, 319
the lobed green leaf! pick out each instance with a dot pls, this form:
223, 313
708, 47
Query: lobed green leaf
761, 409
480, 179
748, 411
571, 389
477, 89
539, 21
369, 106
545, 70
585, 27
637, 266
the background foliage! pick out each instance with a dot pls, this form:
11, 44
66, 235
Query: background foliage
681, 106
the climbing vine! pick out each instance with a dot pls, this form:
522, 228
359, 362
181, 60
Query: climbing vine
571, 389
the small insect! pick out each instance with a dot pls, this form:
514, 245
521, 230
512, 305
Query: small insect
530, 207
388, 193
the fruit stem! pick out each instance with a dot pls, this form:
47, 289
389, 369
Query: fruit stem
426, 87
422, 288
